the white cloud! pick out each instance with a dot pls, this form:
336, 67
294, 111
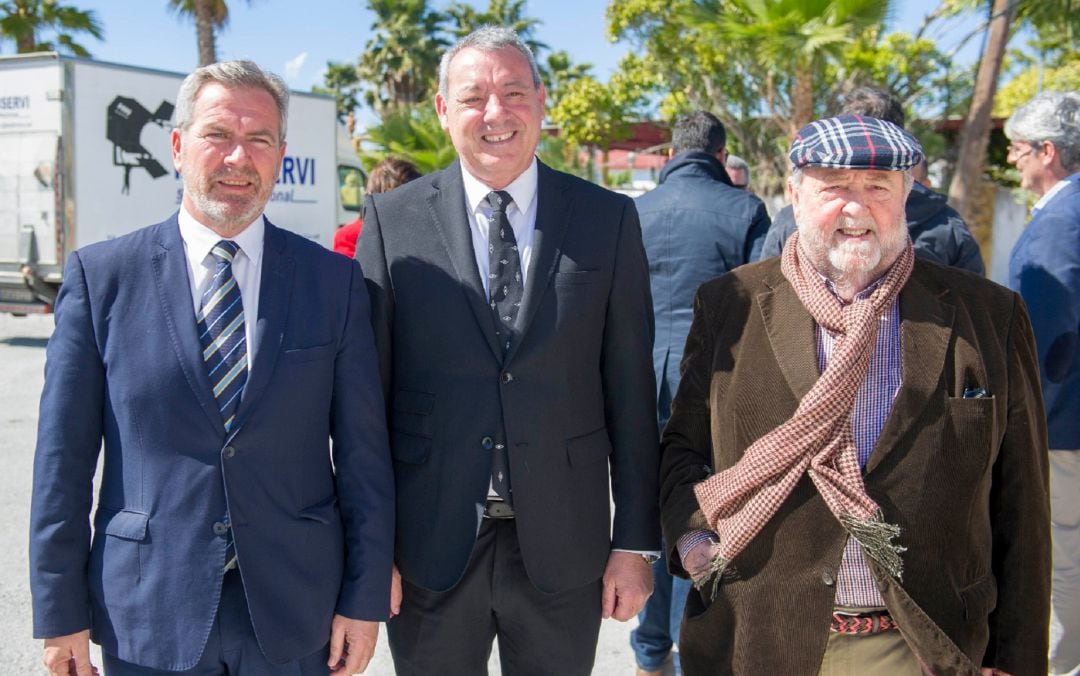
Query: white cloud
293, 66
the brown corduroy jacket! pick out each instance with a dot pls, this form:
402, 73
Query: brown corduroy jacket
965, 477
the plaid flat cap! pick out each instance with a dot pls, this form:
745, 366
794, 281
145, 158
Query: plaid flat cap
854, 142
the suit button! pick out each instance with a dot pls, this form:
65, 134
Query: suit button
220, 528
507, 377
828, 578
487, 443
228, 452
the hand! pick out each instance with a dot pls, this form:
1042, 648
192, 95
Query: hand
69, 655
698, 561
628, 584
395, 592
352, 643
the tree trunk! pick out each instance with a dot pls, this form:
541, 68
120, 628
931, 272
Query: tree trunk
802, 100
975, 135
204, 29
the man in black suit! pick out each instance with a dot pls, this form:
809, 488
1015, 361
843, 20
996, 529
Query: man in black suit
514, 324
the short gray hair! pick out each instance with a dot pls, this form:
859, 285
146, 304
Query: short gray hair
795, 180
487, 38
1053, 117
234, 75
736, 162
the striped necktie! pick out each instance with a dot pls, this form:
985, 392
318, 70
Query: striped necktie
222, 335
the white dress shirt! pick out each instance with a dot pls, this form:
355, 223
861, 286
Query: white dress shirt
521, 214
246, 267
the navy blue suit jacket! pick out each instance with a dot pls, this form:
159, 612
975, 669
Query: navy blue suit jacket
313, 523
1045, 269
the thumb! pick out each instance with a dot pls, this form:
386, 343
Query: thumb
610, 597
337, 644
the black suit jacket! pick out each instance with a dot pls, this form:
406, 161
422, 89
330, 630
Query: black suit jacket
575, 392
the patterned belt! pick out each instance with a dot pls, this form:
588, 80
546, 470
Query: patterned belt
874, 622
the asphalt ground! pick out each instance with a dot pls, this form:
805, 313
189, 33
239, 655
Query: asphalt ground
22, 360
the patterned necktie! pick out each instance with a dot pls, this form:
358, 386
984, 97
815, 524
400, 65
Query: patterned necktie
506, 289
504, 268
221, 332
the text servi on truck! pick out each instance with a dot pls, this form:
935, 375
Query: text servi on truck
85, 156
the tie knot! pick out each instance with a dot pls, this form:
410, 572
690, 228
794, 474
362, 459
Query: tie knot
225, 250
499, 200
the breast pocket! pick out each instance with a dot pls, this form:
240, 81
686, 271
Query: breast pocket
970, 428
298, 355
578, 277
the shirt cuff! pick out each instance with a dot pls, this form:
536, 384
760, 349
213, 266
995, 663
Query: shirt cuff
693, 539
650, 557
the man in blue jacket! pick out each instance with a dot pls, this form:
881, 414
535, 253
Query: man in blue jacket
937, 231
695, 226
1045, 269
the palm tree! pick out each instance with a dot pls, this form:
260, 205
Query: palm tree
400, 63
508, 13
210, 16
788, 36
25, 22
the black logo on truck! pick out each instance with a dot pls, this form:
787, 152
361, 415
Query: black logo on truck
124, 124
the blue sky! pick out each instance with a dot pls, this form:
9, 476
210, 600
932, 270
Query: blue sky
297, 38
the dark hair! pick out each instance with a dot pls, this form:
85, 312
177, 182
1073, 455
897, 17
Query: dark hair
700, 130
389, 174
874, 102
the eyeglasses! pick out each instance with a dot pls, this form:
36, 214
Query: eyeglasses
1017, 150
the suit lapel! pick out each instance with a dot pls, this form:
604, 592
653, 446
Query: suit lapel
275, 291
170, 267
926, 321
553, 209
791, 335
449, 213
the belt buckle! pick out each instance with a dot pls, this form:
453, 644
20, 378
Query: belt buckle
498, 509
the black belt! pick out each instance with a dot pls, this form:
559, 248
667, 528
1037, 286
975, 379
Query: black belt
498, 509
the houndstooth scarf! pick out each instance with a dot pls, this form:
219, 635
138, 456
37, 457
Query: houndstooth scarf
817, 439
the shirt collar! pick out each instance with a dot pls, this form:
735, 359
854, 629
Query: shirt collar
522, 189
1055, 189
862, 295
200, 239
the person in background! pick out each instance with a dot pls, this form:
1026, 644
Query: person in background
384, 177
854, 473
739, 172
937, 230
695, 226
1045, 269
245, 516
514, 325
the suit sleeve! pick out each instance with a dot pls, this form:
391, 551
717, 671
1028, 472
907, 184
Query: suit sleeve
686, 448
371, 253
363, 473
1020, 512
68, 445
629, 387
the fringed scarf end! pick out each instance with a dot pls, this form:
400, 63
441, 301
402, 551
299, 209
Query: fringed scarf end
708, 583
875, 536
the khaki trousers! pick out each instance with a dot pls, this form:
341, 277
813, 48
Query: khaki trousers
886, 654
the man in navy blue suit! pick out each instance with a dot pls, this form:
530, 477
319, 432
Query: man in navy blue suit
1045, 269
214, 357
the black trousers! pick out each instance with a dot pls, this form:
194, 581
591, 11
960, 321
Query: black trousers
451, 632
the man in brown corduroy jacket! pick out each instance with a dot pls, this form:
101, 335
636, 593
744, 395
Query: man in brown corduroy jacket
855, 470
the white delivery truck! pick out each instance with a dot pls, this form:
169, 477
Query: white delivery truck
85, 156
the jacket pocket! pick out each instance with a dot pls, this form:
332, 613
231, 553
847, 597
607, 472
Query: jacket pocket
322, 511
302, 354
589, 448
125, 524
411, 413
